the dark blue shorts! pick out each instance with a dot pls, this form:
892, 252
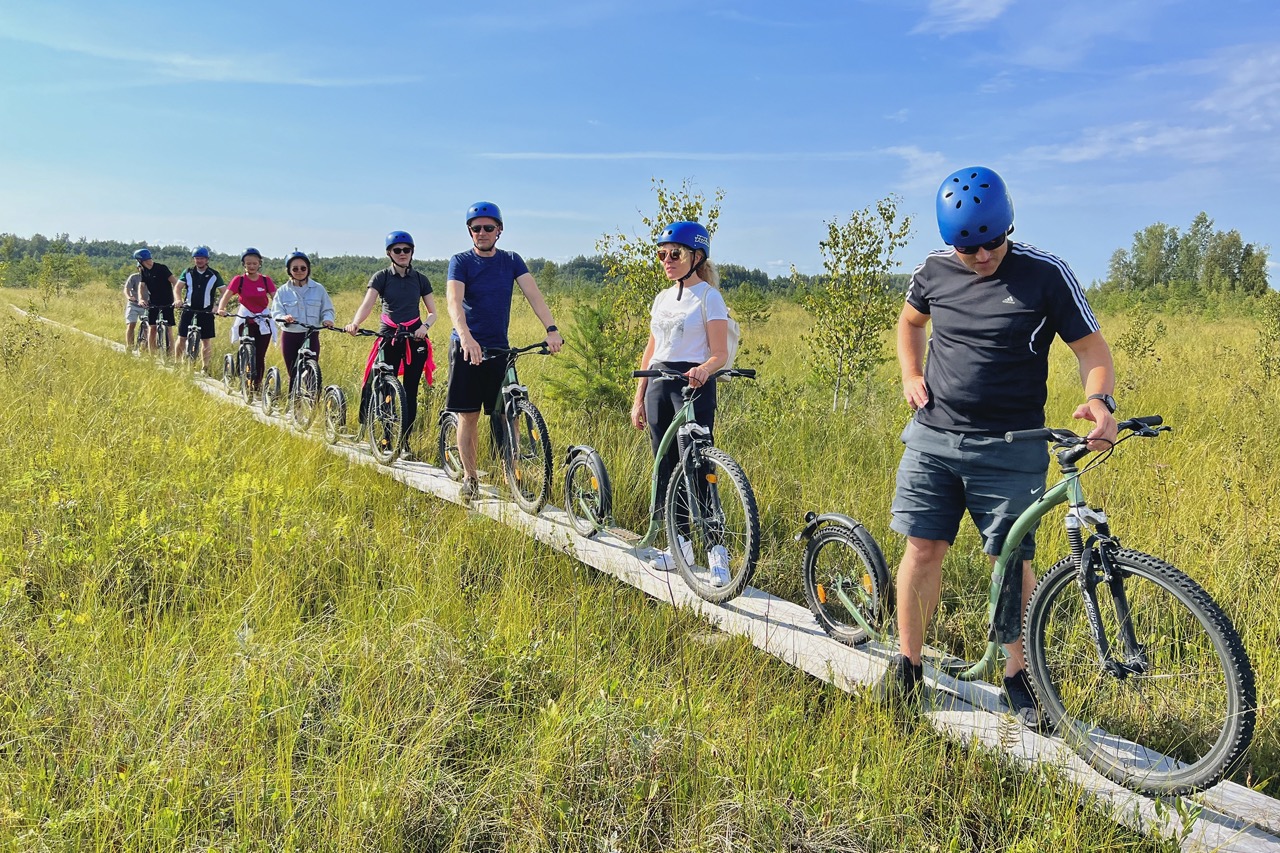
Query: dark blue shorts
473, 387
944, 474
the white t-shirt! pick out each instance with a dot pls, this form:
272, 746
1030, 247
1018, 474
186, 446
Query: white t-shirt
678, 331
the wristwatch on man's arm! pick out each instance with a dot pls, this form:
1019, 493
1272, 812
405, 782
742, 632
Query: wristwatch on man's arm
1107, 400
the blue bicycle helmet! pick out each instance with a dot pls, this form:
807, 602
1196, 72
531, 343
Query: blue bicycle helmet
250, 251
294, 255
689, 234
973, 207
395, 238
200, 252
142, 255
484, 208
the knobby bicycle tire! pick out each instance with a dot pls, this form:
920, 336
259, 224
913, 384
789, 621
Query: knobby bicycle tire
526, 455
386, 419
245, 369
447, 445
193, 343
228, 371
305, 395
270, 390
335, 413
1180, 713
711, 507
588, 494
840, 559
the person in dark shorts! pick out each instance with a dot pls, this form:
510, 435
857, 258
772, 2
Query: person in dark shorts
196, 288
400, 287
986, 309
479, 298
156, 288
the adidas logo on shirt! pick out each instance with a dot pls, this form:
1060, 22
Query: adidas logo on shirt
1009, 300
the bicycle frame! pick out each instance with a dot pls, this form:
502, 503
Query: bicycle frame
684, 415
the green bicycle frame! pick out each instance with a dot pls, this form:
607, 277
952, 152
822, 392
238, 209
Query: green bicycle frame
683, 416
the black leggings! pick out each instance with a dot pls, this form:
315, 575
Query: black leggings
662, 399
411, 379
261, 343
291, 342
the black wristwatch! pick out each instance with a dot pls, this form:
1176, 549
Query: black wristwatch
552, 328
1107, 400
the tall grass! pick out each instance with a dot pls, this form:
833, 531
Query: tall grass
216, 635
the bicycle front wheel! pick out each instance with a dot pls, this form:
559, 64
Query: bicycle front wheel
270, 391
244, 368
228, 372
447, 445
527, 458
305, 395
712, 507
193, 343
842, 571
1171, 706
386, 419
335, 414
588, 494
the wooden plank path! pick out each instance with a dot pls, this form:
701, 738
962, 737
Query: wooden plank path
1228, 817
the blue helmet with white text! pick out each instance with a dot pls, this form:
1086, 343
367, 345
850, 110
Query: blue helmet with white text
973, 207
689, 234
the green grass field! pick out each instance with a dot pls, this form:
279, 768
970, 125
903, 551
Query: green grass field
216, 635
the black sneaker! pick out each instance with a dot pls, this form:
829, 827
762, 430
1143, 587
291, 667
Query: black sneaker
470, 490
902, 683
1022, 701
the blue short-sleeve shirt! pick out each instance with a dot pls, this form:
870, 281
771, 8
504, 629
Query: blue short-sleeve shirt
486, 293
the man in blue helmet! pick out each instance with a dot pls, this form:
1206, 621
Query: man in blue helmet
195, 291
994, 307
156, 288
479, 299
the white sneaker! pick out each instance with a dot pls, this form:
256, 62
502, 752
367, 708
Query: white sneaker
686, 550
718, 562
662, 561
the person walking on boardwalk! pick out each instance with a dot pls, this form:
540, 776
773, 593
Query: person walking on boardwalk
304, 300
479, 298
196, 288
133, 310
400, 287
688, 332
986, 310
156, 288
254, 292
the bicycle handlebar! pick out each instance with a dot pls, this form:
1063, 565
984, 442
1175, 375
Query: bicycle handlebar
1066, 438
540, 348
664, 373
370, 333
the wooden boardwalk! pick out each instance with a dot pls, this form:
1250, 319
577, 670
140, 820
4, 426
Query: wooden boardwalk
1227, 817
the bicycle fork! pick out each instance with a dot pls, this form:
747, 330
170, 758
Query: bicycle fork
1093, 565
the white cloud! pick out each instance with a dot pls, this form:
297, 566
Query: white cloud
698, 156
953, 16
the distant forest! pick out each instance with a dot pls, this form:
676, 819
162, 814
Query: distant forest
39, 260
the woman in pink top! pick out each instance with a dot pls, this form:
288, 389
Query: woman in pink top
254, 292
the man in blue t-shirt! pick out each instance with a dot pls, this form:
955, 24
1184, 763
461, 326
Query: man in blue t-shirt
994, 307
479, 298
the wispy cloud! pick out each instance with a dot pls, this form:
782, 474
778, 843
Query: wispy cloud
953, 16
1142, 139
175, 67
695, 156
1250, 88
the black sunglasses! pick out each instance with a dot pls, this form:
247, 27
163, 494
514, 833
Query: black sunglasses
402, 250
488, 229
990, 245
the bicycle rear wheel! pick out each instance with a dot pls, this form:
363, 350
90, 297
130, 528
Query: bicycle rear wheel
1172, 708
386, 419
228, 371
305, 395
841, 566
712, 506
588, 494
335, 414
271, 391
447, 445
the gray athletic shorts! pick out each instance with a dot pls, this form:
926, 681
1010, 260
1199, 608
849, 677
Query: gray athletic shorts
944, 474
133, 312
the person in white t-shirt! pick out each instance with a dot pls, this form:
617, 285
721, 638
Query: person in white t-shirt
688, 332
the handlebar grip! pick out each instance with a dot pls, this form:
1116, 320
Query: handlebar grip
747, 372
1147, 420
646, 374
1028, 435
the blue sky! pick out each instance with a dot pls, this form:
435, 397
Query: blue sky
324, 125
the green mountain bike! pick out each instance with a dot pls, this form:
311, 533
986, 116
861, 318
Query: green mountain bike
1138, 669
709, 512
